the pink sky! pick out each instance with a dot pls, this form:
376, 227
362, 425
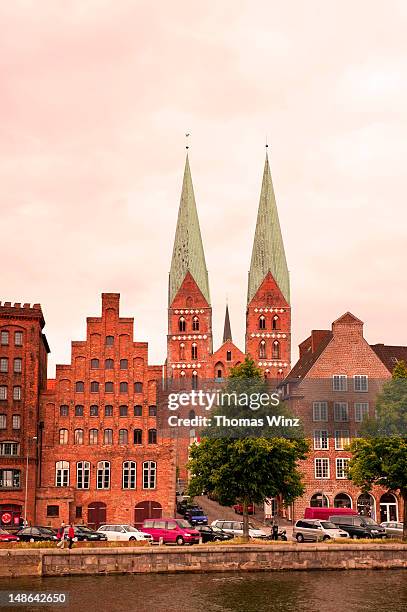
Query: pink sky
95, 99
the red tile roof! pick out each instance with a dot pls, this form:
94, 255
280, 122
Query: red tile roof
390, 355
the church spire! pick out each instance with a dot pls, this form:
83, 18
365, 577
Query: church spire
188, 253
268, 248
227, 332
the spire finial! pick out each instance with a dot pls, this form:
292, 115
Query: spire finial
187, 135
267, 144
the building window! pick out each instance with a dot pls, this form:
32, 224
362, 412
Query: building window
138, 436
3, 421
108, 411
82, 474
152, 411
138, 410
63, 436
63, 410
16, 423
123, 411
103, 475
181, 352
228, 355
94, 364
62, 474
321, 439
361, 411
195, 380
94, 386
342, 466
262, 350
109, 364
79, 411
108, 387
78, 512
340, 382
195, 324
3, 392
93, 436
124, 364
152, 436
94, 411
52, 511
275, 324
10, 479
78, 436
194, 351
262, 322
18, 338
320, 411
138, 387
149, 474
18, 365
322, 468
342, 438
124, 387
181, 324
79, 386
17, 393
108, 436
109, 340
4, 338
4, 365
9, 449
219, 374
341, 411
276, 349
123, 436
129, 474
360, 383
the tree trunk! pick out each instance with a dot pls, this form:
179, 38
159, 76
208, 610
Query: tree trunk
404, 496
245, 520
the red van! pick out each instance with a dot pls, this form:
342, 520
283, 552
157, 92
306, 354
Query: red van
324, 513
171, 530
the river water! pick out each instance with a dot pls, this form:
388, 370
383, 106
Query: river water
310, 591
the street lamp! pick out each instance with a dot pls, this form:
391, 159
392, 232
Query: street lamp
26, 479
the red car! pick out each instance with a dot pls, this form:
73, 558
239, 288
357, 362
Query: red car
238, 508
7, 537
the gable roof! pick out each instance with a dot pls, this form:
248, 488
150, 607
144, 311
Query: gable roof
309, 357
390, 355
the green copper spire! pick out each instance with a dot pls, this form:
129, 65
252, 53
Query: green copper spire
268, 248
188, 253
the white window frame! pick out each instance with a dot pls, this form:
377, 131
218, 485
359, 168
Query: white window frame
62, 474
4, 365
3, 421
319, 410
321, 439
17, 393
357, 383
341, 409
4, 338
103, 475
341, 472
339, 382
129, 472
342, 438
18, 334
361, 410
16, 418
323, 462
17, 365
11, 446
3, 392
149, 475
82, 475
63, 435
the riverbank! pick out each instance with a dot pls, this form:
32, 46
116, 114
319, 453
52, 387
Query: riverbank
54, 562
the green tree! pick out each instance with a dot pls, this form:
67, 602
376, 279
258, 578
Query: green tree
380, 455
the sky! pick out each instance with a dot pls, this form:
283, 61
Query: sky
95, 99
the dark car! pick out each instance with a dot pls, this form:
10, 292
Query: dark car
238, 508
358, 526
196, 516
37, 534
213, 534
184, 507
5, 536
85, 534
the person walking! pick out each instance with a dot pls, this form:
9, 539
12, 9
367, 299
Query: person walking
71, 535
61, 536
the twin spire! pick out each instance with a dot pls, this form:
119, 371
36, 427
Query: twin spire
268, 253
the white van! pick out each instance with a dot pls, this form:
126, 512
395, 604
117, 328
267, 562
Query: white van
312, 530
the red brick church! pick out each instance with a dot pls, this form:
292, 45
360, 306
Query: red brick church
85, 446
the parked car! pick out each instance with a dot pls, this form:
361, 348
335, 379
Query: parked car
172, 531
124, 533
37, 534
236, 528
359, 526
196, 516
238, 508
393, 529
211, 533
312, 530
5, 536
85, 534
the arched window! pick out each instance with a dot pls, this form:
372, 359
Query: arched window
93, 436
262, 322
79, 411
94, 410
280, 374
108, 411
138, 387
63, 410
275, 322
108, 387
342, 500
267, 374
94, 364
152, 411
129, 474
149, 474
108, 436
109, 364
194, 380
123, 436
138, 436
152, 436
262, 349
228, 355
182, 380
195, 324
63, 436
109, 340
181, 324
319, 500
269, 299
276, 349
138, 410
124, 387
103, 475
191, 414
82, 474
62, 474
123, 411
189, 301
194, 351
124, 364
181, 352
94, 386
79, 386
78, 436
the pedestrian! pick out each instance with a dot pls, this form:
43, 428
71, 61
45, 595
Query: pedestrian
275, 530
61, 536
71, 535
